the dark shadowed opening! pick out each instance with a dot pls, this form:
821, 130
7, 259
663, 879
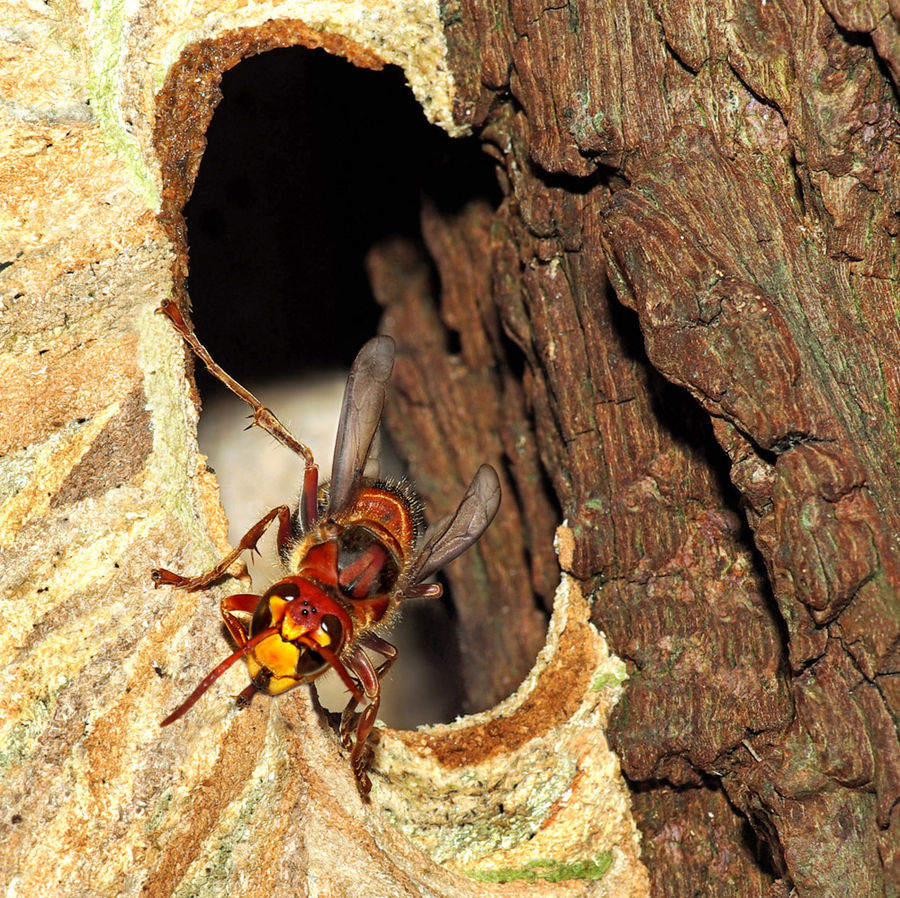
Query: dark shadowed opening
309, 163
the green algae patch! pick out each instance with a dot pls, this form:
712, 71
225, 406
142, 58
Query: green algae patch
547, 871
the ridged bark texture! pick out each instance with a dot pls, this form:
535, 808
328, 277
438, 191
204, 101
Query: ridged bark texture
694, 280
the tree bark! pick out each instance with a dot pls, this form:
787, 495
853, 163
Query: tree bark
676, 332
725, 451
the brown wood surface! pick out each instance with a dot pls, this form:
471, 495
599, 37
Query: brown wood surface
725, 447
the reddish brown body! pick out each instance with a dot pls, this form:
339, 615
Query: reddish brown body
350, 554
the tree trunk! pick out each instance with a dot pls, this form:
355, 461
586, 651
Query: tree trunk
728, 173
674, 333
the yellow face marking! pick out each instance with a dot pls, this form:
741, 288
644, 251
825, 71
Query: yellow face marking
278, 656
278, 685
277, 607
291, 628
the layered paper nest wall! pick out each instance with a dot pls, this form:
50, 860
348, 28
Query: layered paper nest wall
102, 117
